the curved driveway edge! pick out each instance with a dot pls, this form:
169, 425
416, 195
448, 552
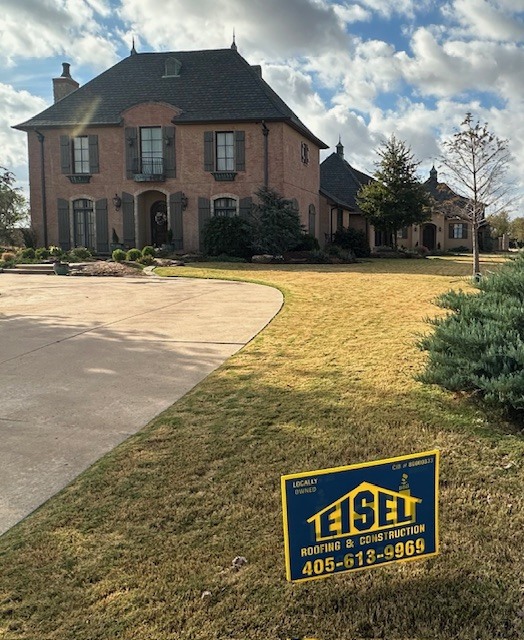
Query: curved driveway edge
86, 362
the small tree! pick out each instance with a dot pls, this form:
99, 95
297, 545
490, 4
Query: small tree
13, 206
230, 236
517, 230
276, 224
396, 198
477, 162
499, 224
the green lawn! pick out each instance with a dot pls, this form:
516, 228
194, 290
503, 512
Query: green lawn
127, 550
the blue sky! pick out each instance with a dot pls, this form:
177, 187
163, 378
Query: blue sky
362, 70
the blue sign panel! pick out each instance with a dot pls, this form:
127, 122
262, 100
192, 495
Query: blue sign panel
360, 516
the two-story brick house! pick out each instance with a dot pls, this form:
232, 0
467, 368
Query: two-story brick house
157, 144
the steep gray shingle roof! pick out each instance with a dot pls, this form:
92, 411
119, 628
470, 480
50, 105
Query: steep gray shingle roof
449, 203
341, 182
213, 86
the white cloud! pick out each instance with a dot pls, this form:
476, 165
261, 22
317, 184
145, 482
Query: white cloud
388, 8
270, 28
487, 19
44, 28
16, 107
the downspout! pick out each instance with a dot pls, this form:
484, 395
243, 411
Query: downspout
331, 224
41, 139
265, 132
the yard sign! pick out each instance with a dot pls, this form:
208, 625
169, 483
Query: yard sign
361, 516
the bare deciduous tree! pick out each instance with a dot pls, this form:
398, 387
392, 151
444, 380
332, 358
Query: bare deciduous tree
476, 161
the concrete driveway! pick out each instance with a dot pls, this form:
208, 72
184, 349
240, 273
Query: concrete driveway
86, 362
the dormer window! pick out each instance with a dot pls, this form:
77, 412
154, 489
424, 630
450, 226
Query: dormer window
172, 69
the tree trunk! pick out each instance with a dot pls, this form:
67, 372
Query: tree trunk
476, 255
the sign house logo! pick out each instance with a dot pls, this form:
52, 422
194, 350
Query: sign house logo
360, 516
367, 508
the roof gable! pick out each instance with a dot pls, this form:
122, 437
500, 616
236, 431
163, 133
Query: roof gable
340, 181
211, 86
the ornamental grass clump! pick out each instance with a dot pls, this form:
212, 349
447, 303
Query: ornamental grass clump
479, 346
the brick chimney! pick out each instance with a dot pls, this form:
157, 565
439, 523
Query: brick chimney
65, 84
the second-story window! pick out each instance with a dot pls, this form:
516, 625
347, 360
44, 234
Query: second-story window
79, 157
224, 154
225, 151
81, 154
151, 150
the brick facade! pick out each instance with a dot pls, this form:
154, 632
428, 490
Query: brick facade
183, 190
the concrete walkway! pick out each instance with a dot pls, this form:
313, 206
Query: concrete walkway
86, 362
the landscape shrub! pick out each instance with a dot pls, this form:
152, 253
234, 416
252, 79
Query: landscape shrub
80, 252
148, 251
134, 254
118, 255
307, 243
353, 239
320, 257
8, 257
231, 236
339, 254
461, 249
42, 253
146, 260
479, 346
28, 254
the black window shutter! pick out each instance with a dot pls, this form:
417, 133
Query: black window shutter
168, 137
209, 151
240, 151
176, 220
204, 214
102, 227
93, 154
246, 206
451, 227
65, 154
131, 142
128, 220
465, 231
64, 225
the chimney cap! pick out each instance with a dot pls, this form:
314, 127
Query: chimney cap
65, 70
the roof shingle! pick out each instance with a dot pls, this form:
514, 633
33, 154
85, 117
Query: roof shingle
213, 86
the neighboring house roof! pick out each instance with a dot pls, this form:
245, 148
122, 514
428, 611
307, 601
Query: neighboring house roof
449, 203
339, 181
212, 86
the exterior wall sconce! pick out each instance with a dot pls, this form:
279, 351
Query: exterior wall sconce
440, 229
167, 141
415, 229
184, 201
117, 201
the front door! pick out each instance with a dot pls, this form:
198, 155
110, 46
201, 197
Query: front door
429, 236
159, 223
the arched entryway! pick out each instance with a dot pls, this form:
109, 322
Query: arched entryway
429, 236
152, 219
158, 218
